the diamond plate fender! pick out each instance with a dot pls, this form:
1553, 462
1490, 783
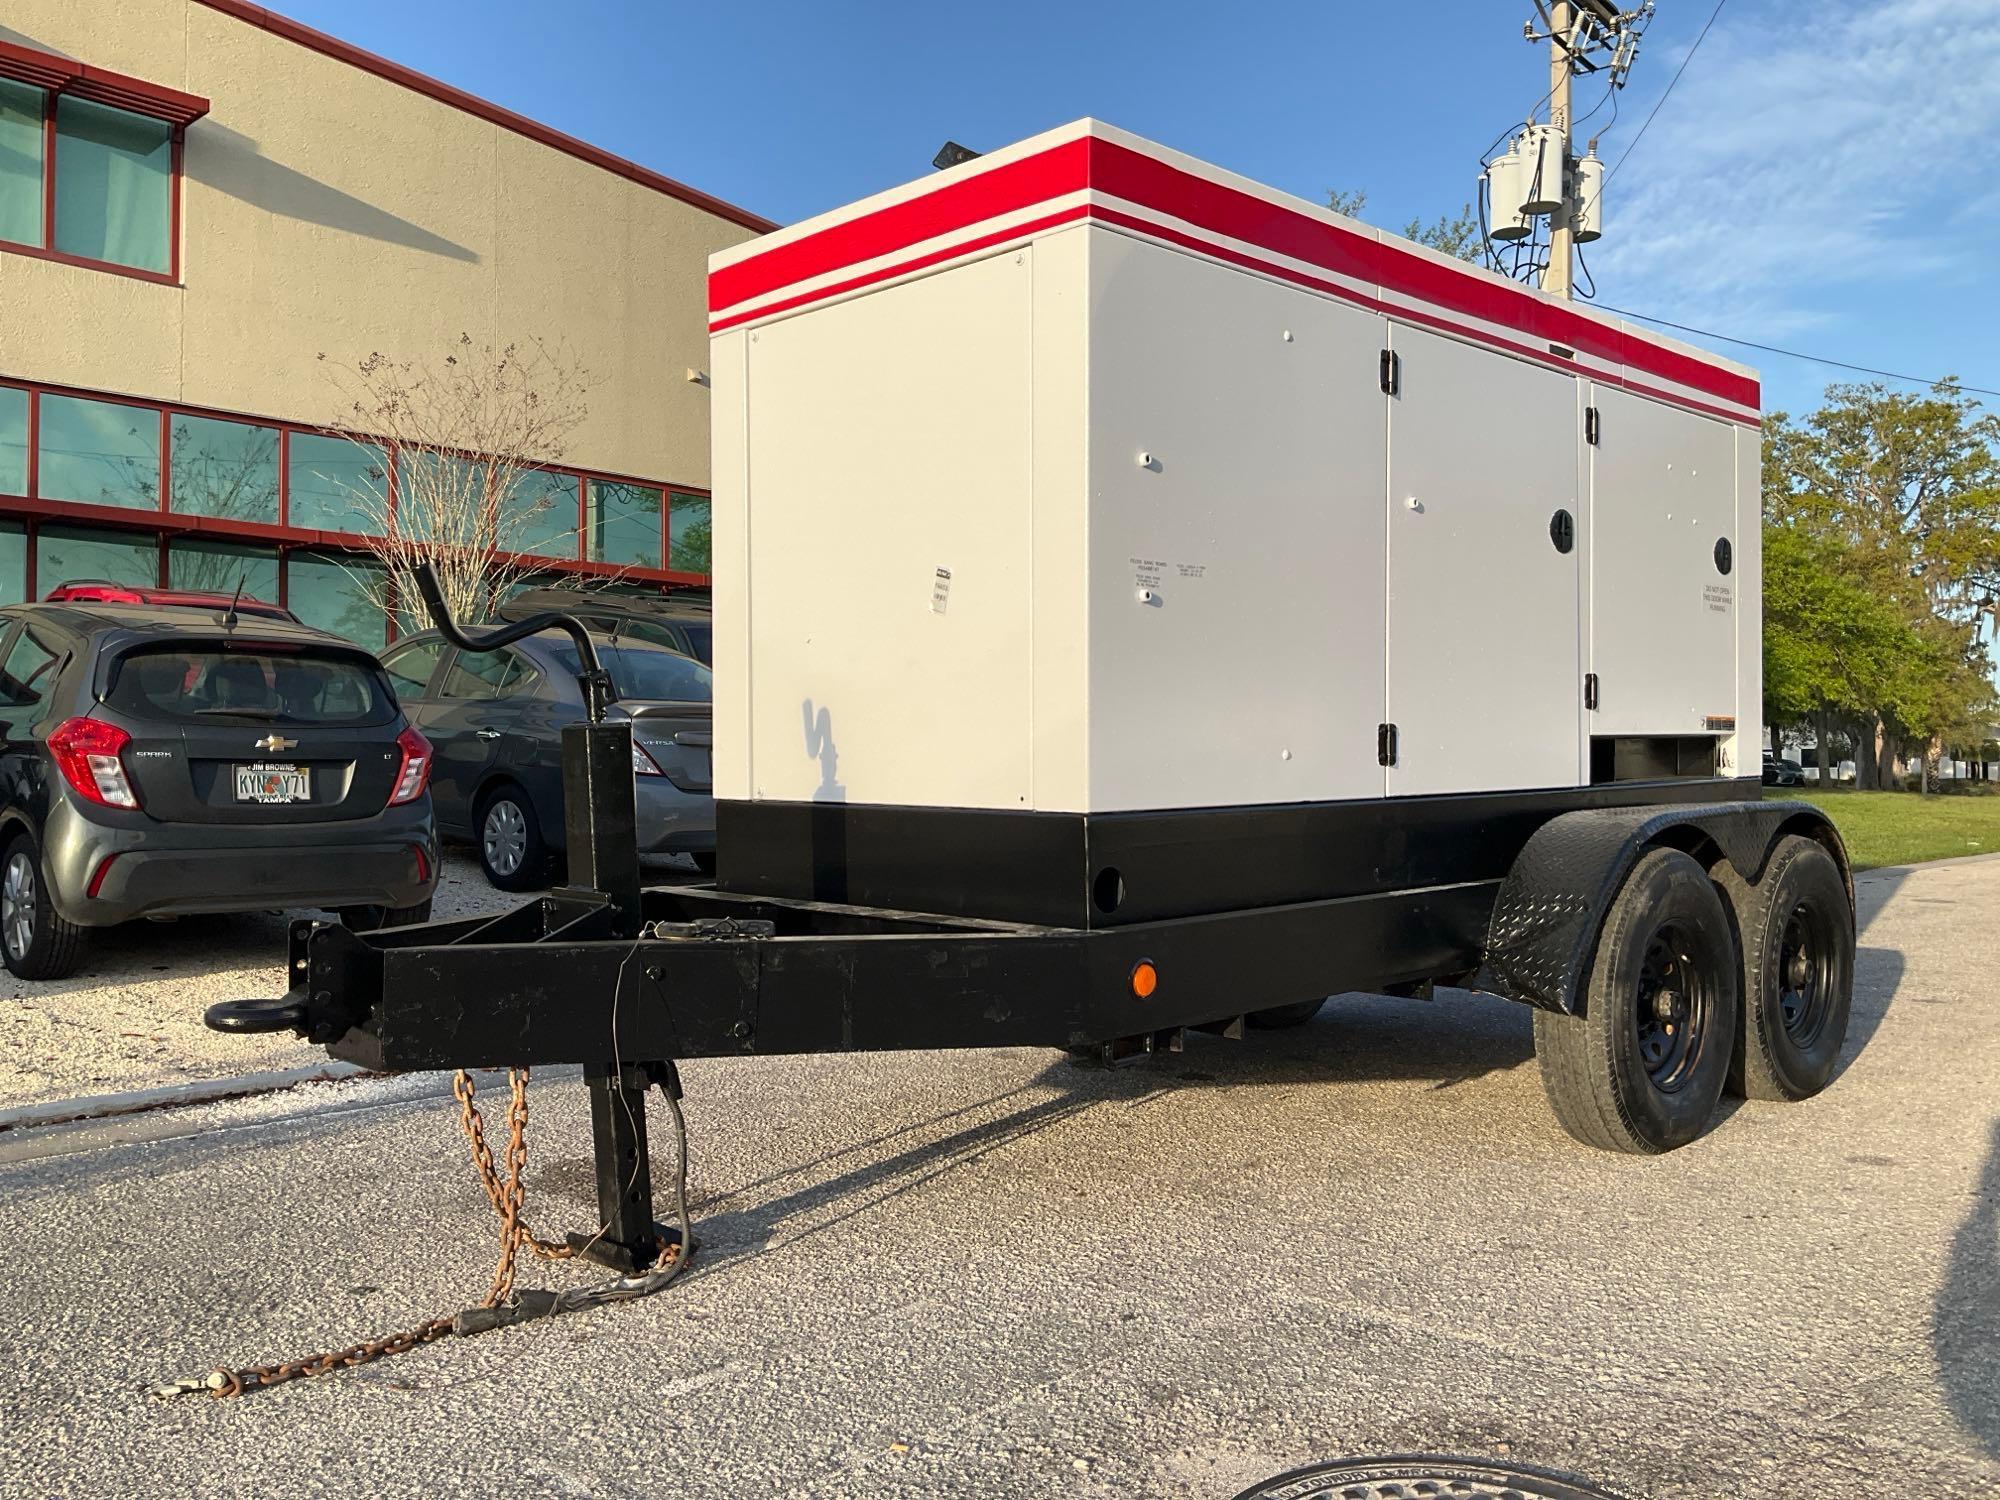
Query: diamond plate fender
1542, 938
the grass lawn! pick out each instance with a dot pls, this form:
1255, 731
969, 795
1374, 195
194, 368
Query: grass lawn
1901, 828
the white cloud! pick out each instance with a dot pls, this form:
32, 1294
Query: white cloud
1809, 147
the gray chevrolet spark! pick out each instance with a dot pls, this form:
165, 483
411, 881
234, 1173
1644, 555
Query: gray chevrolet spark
161, 761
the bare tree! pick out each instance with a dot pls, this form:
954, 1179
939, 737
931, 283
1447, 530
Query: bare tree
465, 491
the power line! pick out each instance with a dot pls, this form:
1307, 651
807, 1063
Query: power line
1670, 88
1838, 364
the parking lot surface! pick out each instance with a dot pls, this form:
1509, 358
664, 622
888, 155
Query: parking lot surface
1000, 1275
130, 1017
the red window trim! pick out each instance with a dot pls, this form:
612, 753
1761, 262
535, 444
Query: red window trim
167, 523
62, 75
59, 76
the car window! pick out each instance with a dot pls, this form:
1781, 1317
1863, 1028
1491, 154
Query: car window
29, 672
647, 672
286, 686
410, 667
488, 675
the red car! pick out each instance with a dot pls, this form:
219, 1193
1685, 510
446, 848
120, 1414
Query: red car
100, 591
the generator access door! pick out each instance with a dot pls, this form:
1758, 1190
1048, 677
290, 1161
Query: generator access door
1484, 662
1663, 577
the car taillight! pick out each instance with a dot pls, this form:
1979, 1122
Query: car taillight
644, 764
86, 751
415, 772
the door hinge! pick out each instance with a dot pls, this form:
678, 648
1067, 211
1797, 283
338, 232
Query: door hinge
1385, 744
1392, 373
1590, 690
1590, 425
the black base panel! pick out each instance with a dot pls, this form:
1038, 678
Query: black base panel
1051, 867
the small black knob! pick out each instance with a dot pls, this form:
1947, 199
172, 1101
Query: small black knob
1562, 530
1724, 558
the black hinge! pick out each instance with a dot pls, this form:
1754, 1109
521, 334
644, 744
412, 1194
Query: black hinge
1590, 425
1590, 690
1385, 744
1392, 372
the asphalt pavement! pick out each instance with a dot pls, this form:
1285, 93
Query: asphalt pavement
1001, 1275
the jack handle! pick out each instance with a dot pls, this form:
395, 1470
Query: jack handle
598, 690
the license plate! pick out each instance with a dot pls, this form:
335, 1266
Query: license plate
273, 783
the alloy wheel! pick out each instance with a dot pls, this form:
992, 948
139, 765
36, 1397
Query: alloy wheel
17, 903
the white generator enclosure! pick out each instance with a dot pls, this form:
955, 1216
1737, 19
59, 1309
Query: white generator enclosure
1086, 496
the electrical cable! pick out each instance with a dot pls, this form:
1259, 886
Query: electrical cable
1839, 364
1633, 145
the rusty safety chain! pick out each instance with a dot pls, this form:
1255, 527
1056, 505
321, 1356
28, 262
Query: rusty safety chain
506, 1196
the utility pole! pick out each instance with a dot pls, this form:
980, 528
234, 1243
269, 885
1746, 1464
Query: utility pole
1560, 278
1536, 182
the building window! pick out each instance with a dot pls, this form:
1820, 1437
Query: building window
99, 453
624, 524
220, 567
687, 521
20, 163
539, 514
13, 562
67, 554
13, 437
341, 595
335, 484
114, 186
227, 469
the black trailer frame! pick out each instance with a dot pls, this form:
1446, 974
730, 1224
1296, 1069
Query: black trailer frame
627, 979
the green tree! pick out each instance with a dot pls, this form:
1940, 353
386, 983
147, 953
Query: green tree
1453, 234
1895, 496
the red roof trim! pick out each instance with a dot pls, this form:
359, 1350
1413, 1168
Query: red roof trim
494, 114
62, 75
1387, 269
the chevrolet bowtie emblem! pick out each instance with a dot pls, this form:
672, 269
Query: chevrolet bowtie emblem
277, 742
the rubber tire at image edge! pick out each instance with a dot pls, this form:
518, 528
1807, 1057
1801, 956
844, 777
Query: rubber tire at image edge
1591, 1069
534, 866
55, 946
1800, 875
1283, 1017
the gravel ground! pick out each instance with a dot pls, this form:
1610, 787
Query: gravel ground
998, 1275
130, 1017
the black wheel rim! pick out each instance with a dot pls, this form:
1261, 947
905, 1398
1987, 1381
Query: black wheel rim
1674, 1005
1804, 976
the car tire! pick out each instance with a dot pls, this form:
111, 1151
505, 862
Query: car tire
1283, 1017
35, 940
374, 918
705, 863
508, 835
1643, 1068
1798, 972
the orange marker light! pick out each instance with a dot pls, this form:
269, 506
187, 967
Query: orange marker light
1145, 979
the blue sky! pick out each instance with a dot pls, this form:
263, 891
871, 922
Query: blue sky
1821, 177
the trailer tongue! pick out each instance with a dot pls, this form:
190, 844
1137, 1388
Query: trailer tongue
1147, 603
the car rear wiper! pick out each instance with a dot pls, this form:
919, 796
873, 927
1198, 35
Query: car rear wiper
242, 713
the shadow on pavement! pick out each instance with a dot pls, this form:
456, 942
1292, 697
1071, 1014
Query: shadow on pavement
1965, 1328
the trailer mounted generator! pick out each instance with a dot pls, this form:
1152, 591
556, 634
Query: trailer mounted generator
1145, 603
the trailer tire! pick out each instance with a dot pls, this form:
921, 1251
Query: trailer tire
1798, 972
1642, 1069
1283, 1017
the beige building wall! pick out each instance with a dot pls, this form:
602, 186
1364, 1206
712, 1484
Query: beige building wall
330, 211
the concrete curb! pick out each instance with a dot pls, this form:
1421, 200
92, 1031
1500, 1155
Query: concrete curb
170, 1096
